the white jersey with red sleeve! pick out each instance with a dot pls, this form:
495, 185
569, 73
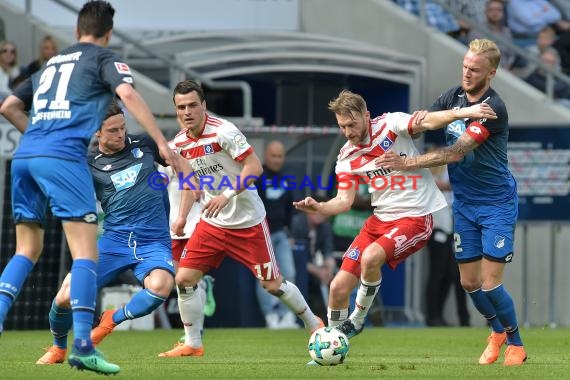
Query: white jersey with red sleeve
395, 194
216, 159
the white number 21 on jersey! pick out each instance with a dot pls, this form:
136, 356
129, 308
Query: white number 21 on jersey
46, 82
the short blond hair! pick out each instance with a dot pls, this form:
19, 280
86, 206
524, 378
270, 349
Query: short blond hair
348, 103
487, 48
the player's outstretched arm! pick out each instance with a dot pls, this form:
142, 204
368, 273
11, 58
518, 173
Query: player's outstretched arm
339, 204
13, 110
439, 119
137, 107
442, 156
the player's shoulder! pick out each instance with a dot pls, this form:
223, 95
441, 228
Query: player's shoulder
346, 150
450, 98
389, 122
181, 139
139, 140
180, 135
494, 100
172, 141
93, 151
86, 55
454, 92
216, 125
379, 122
379, 119
216, 121
82, 50
387, 116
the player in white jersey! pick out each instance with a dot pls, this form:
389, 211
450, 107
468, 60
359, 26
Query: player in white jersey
403, 201
233, 218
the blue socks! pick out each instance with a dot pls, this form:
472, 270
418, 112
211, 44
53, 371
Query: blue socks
504, 305
60, 322
142, 303
484, 305
11, 282
83, 298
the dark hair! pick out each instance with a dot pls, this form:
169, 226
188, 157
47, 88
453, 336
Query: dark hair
186, 87
114, 109
95, 18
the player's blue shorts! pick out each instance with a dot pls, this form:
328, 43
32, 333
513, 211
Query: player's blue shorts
65, 185
119, 252
485, 230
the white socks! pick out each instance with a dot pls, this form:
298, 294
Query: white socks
366, 293
336, 317
191, 302
293, 299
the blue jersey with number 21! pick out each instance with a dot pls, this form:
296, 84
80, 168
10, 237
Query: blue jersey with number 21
68, 99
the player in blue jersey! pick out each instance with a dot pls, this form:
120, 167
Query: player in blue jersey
136, 234
486, 204
69, 97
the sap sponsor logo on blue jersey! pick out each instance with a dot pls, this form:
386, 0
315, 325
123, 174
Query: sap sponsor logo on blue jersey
137, 153
126, 178
208, 149
456, 128
353, 254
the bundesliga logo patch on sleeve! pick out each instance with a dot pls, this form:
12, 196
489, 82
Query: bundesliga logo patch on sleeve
122, 68
240, 140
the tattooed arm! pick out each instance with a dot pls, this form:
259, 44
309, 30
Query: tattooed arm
422, 121
442, 156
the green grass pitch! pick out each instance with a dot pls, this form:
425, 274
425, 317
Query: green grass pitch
403, 353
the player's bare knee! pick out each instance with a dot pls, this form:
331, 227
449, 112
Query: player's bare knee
183, 281
491, 282
338, 291
373, 258
471, 284
159, 282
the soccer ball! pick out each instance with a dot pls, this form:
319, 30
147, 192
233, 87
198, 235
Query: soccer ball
328, 346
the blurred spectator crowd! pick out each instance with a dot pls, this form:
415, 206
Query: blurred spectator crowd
540, 27
11, 72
